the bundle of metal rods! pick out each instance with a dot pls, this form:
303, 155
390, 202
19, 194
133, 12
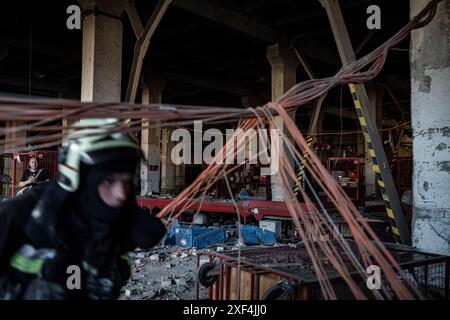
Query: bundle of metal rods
313, 223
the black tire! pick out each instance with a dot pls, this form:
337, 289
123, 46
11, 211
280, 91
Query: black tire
280, 291
202, 274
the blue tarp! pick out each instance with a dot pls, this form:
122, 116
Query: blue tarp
199, 237
170, 234
253, 235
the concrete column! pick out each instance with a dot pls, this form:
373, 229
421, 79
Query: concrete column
101, 73
430, 117
284, 75
101, 66
375, 94
168, 183
151, 140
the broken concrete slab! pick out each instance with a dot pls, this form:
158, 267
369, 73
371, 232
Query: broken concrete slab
181, 282
154, 257
152, 272
166, 283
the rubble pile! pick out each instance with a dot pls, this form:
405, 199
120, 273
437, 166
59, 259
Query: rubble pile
163, 273
169, 271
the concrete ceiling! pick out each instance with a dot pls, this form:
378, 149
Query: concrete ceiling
212, 51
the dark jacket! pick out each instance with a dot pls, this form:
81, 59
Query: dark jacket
44, 175
45, 222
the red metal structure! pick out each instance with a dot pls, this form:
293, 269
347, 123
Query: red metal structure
260, 269
346, 171
48, 160
256, 208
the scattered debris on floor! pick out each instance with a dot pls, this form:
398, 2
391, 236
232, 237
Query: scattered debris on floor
169, 271
163, 273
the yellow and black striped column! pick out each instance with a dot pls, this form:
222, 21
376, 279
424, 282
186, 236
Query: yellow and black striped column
394, 157
301, 170
375, 164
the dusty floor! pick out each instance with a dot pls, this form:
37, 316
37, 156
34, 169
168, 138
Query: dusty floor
163, 273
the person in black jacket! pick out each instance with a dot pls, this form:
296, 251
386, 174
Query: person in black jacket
68, 239
33, 175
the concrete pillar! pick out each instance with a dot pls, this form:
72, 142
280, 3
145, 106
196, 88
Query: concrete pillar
430, 117
168, 174
375, 94
101, 66
284, 75
101, 73
151, 140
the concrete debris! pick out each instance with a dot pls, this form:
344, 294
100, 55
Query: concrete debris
132, 292
147, 295
164, 273
140, 255
166, 283
158, 257
181, 282
168, 272
154, 257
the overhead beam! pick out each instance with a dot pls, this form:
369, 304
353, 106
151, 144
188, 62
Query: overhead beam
133, 15
294, 17
208, 82
304, 64
339, 29
249, 25
141, 47
317, 53
232, 18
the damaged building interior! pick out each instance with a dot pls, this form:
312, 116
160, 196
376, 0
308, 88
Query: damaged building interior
290, 148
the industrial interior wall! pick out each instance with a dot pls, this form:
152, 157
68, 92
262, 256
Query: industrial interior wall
430, 116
